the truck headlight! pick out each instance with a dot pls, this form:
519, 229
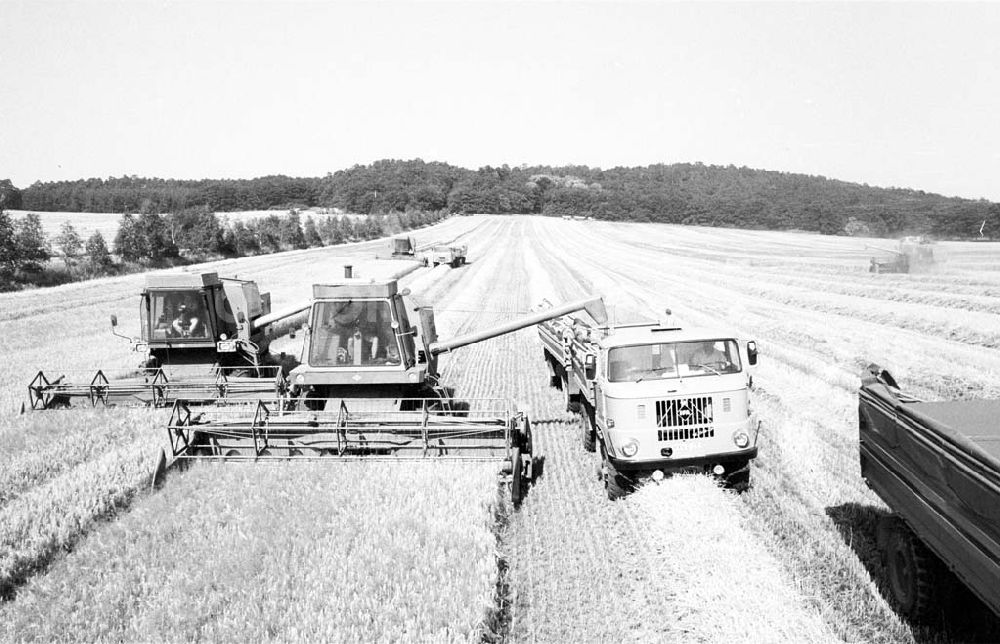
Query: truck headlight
630, 448
611, 423
741, 439
140, 347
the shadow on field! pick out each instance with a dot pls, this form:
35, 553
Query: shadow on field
963, 618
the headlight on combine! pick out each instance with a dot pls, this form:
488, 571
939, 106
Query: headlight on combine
630, 448
741, 439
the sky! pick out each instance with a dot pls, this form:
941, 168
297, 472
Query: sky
888, 94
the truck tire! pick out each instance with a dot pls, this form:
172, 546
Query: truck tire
616, 486
913, 573
572, 406
589, 433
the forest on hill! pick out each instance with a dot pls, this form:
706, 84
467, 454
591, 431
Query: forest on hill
682, 193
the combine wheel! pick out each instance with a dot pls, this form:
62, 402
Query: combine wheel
517, 482
913, 573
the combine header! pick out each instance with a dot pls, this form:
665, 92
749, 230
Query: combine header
365, 389
202, 338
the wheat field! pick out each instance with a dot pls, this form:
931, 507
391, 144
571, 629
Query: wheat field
793, 559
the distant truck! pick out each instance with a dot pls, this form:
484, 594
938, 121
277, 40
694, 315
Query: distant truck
403, 247
656, 399
451, 255
937, 466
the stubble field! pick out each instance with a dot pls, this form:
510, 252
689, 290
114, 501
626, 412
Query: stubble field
791, 560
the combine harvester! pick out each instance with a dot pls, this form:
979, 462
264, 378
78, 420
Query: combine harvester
937, 466
202, 338
657, 399
366, 389
913, 254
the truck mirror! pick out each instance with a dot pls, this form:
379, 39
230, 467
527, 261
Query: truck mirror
114, 320
752, 352
590, 366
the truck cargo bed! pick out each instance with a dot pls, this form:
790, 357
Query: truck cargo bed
937, 464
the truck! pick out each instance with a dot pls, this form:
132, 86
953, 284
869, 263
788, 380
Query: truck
453, 255
937, 466
656, 399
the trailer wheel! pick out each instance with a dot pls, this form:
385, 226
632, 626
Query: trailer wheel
572, 406
516, 477
589, 432
912, 572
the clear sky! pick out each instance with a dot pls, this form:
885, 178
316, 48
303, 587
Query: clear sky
891, 94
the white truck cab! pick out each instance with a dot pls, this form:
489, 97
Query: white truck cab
658, 399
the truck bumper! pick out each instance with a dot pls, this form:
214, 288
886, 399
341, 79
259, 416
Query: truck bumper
731, 462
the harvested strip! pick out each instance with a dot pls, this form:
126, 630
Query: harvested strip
726, 583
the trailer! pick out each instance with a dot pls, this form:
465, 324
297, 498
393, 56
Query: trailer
937, 466
656, 399
453, 255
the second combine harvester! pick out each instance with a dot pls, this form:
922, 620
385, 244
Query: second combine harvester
368, 386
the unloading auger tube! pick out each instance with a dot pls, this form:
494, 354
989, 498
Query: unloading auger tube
433, 347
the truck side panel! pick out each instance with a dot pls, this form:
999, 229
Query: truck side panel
945, 494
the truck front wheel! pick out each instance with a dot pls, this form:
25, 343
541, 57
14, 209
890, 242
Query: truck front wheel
616, 485
912, 572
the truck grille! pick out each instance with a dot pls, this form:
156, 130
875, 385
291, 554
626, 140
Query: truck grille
686, 433
687, 418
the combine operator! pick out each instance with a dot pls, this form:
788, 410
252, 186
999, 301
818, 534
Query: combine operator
356, 333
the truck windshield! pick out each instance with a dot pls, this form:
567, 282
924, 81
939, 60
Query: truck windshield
178, 314
347, 333
673, 360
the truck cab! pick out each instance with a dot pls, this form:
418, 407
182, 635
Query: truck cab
658, 400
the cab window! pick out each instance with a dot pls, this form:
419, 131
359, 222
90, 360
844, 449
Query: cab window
673, 360
351, 333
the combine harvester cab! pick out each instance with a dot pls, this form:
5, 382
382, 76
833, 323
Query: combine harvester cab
937, 466
365, 388
202, 338
657, 399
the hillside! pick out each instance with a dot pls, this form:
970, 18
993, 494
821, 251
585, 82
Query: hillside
681, 193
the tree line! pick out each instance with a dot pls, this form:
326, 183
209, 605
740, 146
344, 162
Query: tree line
682, 193
28, 257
